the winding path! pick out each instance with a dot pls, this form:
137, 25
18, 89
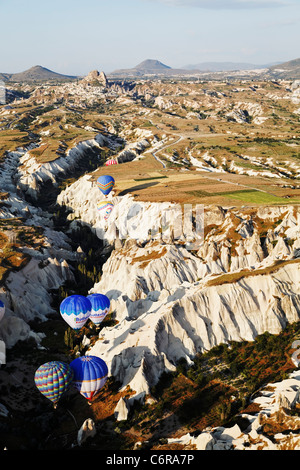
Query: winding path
162, 148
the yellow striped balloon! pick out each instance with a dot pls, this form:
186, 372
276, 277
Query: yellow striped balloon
106, 208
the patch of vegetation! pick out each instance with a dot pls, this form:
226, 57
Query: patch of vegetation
14, 236
255, 197
11, 139
238, 276
199, 193
217, 387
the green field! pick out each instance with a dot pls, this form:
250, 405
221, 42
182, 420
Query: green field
253, 196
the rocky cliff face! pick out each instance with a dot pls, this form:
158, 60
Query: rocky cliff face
164, 314
170, 299
33, 174
28, 297
26, 292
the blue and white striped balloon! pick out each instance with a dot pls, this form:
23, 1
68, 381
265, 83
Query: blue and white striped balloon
75, 310
2, 309
89, 375
100, 307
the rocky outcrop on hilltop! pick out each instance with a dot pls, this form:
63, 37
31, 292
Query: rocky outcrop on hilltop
95, 78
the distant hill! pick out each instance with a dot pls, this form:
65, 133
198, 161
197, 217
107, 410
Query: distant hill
213, 70
154, 68
224, 66
150, 65
147, 67
5, 76
35, 74
286, 70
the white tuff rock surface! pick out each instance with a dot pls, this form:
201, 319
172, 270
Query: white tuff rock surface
156, 328
33, 174
26, 295
88, 429
160, 292
121, 410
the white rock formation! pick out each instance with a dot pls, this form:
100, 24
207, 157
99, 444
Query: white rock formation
3, 411
88, 429
155, 331
121, 410
160, 294
33, 174
28, 297
27, 292
83, 196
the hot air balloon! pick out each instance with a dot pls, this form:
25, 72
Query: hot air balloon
105, 183
75, 310
100, 307
2, 309
90, 375
53, 379
112, 161
106, 208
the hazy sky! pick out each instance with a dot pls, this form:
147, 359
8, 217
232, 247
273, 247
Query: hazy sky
76, 36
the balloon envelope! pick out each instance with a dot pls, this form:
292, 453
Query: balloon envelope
111, 162
2, 309
105, 183
53, 379
100, 307
106, 208
90, 375
75, 310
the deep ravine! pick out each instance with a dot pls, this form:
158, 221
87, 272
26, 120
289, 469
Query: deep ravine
31, 423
